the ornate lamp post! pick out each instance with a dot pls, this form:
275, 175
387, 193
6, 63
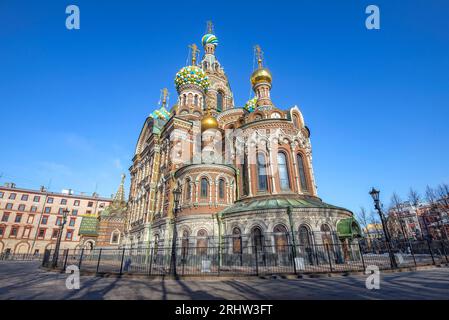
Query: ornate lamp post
176, 198
65, 212
375, 194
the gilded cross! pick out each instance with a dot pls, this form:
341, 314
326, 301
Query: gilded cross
194, 52
259, 55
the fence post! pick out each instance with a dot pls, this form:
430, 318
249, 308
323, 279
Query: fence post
361, 255
121, 264
98, 262
430, 251
411, 251
81, 259
65, 260
257, 262
293, 258
444, 250
329, 256
151, 261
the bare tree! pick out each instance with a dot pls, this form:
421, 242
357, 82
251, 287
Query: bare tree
414, 197
394, 215
431, 195
362, 216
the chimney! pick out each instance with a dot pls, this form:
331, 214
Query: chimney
42, 189
13, 185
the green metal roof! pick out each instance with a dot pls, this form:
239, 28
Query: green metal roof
348, 228
89, 226
278, 203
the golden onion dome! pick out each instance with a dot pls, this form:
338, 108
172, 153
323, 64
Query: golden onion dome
208, 122
261, 75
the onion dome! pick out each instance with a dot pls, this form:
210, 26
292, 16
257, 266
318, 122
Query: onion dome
250, 106
209, 39
208, 122
191, 75
261, 75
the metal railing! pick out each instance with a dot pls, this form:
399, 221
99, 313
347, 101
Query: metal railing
254, 259
20, 257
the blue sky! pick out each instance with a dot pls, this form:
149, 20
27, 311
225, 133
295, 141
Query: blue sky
377, 101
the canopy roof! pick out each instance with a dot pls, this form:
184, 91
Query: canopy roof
279, 203
348, 228
88, 226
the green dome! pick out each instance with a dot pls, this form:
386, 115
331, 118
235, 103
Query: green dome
191, 75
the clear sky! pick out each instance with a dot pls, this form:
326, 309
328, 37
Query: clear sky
377, 101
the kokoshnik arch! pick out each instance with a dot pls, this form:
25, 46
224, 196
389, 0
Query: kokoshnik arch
241, 170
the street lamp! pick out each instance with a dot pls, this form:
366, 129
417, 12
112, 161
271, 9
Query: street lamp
176, 198
65, 212
375, 195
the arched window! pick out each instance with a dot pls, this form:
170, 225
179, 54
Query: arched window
302, 172
257, 238
304, 236
188, 190
115, 237
245, 175
219, 101
201, 242
280, 238
262, 181
221, 189
326, 235
236, 241
196, 100
296, 120
204, 188
284, 177
185, 243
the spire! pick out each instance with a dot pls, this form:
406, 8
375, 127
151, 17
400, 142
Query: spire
210, 27
120, 195
164, 97
195, 50
259, 55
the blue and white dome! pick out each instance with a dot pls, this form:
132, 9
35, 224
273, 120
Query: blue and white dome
209, 38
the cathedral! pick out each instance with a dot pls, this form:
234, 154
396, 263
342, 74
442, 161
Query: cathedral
240, 172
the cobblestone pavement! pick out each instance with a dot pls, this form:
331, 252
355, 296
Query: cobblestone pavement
24, 280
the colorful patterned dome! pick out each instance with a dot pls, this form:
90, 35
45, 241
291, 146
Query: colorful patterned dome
192, 75
250, 106
209, 38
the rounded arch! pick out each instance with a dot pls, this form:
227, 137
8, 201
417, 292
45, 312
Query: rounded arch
302, 163
257, 237
22, 247
295, 111
115, 237
205, 185
326, 234
305, 235
201, 241
89, 244
284, 170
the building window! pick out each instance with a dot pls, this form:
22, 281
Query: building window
204, 188
88, 212
36, 199
61, 211
18, 218
295, 120
44, 220
221, 189
1, 194
236, 241
12, 196
219, 101
26, 233
304, 236
69, 234
50, 200
90, 204
24, 197
302, 172
14, 232
33, 209
115, 237
326, 235
9, 206
195, 101
245, 175
30, 218
76, 203
58, 221
284, 178
188, 190
72, 222
74, 212
41, 233
262, 181
21, 207
47, 210
101, 205
257, 238
280, 238
64, 201
55, 233
2, 231
5, 217
201, 242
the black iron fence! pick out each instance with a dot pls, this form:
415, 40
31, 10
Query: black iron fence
7, 256
258, 258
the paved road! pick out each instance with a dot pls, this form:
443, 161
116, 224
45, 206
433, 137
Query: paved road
24, 280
